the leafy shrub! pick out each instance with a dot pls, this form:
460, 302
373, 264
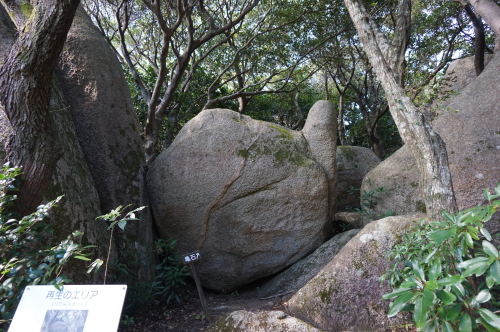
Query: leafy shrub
169, 272
368, 202
448, 272
24, 259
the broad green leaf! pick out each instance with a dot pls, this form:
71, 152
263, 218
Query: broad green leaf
408, 307
490, 281
487, 194
458, 289
418, 270
35, 273
448, 216
428, 297
468, 240
490, 249
433, 252
448, 281
442, 235
395, 293
431, 285
420, 313
83, 258
486, 234
122, 224
399, 303
466, 323
488, 327
490, 317
478, 269
483, 296
435, 270
445, 296
466, 264
409, 283
430, 326
495, 271
453, 312
447, 327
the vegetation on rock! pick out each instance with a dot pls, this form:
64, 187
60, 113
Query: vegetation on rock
448, 272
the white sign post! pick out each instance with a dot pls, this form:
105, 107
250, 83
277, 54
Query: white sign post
75, 308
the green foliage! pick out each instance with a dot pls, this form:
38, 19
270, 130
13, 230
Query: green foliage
127, 320
169, 275
27, 256
114, 219
169, 272
368, 201
448, 272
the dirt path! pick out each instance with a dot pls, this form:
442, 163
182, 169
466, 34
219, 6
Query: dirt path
186, 316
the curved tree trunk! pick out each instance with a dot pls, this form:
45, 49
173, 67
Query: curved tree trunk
489, 11
25, 80
426, 146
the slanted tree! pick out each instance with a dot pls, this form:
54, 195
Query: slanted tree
387, 56
25, 81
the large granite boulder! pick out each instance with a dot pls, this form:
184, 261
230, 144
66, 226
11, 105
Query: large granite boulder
253, 197
261, 321
346, 294
107, 128
353, 162
459, 74
297, 275
80, 205
470, 127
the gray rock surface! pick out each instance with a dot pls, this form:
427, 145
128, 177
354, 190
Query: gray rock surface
353, 163
353, 219
470, 127
262, 321
297, 275
249, 195
346, 294
459, 74
321, 136
108, 131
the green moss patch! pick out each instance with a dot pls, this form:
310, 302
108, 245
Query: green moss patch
347, 152
283, 132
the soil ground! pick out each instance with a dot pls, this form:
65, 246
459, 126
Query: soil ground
186, 316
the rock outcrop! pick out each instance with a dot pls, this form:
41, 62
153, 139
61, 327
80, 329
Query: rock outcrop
470, 127
297, 275
353, 163
263, 321
253, 197
107, 127
346, 294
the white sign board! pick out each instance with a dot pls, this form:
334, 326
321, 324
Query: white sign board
76, 308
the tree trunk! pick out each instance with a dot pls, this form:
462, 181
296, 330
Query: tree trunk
25, 80
489, 11
340, 120
479, 42
426, 146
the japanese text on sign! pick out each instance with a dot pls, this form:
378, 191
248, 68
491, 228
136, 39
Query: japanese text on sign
192, 257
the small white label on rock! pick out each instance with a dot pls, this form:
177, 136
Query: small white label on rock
479, 176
